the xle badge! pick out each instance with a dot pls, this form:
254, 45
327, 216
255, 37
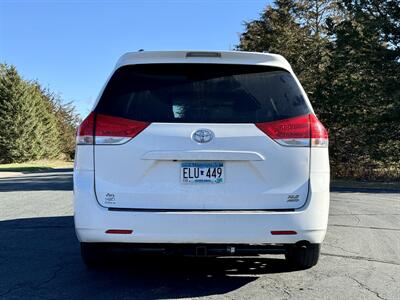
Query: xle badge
293, 198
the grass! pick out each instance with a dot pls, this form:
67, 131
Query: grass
36, 166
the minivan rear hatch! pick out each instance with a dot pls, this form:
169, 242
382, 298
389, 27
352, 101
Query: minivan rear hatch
201, 137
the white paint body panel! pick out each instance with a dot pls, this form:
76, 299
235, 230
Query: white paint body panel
144, 174
310, 222
252, 181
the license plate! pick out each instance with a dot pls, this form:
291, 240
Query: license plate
202, 172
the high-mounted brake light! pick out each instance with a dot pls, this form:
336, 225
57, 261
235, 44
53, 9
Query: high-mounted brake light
301, 131
203, 54
108, 130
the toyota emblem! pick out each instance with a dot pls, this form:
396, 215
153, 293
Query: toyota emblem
202, 136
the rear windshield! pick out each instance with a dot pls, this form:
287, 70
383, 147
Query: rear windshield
202, 93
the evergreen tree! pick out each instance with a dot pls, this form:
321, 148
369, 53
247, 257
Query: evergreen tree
67, 121
33, 125
18, 118
347, 56
295, 30
51, 133
363, 91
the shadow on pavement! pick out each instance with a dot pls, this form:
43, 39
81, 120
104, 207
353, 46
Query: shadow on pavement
35, 170
39, 257
51, 170
365, 190
37, 182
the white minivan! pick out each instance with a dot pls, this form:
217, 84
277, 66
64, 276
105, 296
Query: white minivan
202, 153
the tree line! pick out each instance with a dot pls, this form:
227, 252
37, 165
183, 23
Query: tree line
347, 56
346, 53
34, 122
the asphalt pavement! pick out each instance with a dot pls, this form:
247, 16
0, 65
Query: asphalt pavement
39, 254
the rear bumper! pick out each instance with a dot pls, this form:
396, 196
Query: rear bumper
211, 227
189, 228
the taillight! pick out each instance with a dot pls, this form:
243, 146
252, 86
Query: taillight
85, 132
319, 134
106, 130
297, 132
114, 130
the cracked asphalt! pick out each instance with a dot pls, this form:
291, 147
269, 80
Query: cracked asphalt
39, 255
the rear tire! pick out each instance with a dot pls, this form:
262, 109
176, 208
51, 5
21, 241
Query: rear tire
303, 257
93, 254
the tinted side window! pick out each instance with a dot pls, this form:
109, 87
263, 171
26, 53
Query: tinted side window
202, 93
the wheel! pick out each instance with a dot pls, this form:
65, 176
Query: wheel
302, 257
93, 254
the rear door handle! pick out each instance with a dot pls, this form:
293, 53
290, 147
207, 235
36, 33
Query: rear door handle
203, 155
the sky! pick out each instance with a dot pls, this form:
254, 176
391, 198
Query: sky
72, 46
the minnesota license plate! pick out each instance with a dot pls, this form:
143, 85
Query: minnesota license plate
202, 172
